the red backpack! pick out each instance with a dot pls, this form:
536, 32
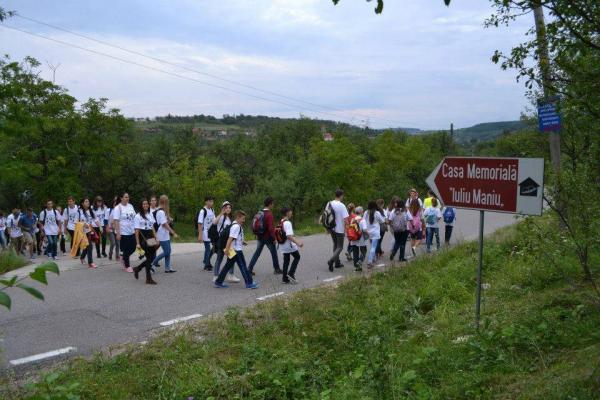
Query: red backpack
353, 230
280, 235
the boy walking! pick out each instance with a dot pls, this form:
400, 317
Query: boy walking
337, 233
266, 237
432, 216
206, 217
289, 248
234, 253
51, 222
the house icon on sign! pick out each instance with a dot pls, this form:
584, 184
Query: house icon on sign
528, 187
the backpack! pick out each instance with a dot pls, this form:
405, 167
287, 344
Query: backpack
224, 237
213, 234
155, 224
414, 225
430, 218
449, 215
280, 234
258, 223
353, 230
399, 222
328, 217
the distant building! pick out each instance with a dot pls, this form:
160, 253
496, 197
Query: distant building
328, 137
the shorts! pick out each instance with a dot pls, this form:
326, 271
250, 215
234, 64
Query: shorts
27, 238
416, 235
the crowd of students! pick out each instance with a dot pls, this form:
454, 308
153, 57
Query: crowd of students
120, 230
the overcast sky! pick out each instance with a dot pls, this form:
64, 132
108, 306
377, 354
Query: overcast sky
419, 64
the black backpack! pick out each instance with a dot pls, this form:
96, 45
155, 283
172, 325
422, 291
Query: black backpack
198, 216
155, 225
328, 217
224, 237
213, 234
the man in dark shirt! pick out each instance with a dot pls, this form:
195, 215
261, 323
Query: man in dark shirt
28, 223
267, 238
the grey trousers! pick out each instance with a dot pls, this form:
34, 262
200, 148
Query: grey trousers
338, 246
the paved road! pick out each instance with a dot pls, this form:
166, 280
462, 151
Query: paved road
88, 310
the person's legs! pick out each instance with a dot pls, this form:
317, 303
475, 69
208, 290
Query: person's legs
63, 247
207, 254
372, 252
338, 247
98, 255
166, 247
402, 246
128, 246
436, 232
103, 237
379, 250
112, 243
51, 249
241, 262
396, 245
273, 249
259, 247
448, 234
216, 269
363, 253
355, 256
296, 256
161, 255
2, 240
228, 265
428, 238
286, 264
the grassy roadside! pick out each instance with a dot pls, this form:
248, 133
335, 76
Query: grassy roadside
405, 333
9, 261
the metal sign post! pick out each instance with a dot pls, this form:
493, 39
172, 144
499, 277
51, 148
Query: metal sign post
479, 270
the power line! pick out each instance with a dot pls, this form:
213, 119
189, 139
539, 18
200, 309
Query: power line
163, 61
293, 106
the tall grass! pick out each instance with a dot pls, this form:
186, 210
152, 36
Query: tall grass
9, 260
404, 334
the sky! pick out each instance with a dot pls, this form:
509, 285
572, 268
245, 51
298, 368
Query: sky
420, 64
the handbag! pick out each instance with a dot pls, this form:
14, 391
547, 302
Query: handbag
94, 237
152, 242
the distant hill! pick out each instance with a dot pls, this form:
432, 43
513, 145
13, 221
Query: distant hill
487, 131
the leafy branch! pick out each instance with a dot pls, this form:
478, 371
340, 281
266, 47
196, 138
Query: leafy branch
38, 274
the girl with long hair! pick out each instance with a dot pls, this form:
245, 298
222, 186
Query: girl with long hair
415, 224
374, 219
100, 210
89, 219
222, 221
144, 233
123, 216
110, 228
163, 220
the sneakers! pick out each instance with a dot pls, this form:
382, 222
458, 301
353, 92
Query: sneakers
232, 278
92, 266
292, 280
129, 269
170, 271
330, 265
348, 256
253, 285
215, 279
220, 285
340, 265
413, 251
208, 267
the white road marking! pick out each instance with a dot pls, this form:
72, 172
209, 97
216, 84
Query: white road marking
335, 278
42, 356
180, 319
380, 265
269, 296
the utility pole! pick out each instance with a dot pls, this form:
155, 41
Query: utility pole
452, 135
545, 70
53, 68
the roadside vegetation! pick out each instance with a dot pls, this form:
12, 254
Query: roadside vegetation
405, 333
9, 261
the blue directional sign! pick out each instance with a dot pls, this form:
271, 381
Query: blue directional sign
548, 116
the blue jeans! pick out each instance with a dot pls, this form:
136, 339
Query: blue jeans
3, 243
166, 254
429, 232
52, 247
207, 254
372, 251
241, 262
217, 268
259, 248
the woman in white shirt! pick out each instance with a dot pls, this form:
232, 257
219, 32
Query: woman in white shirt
289, 248
144, 232
123, 216
163, 220
101, 213
374, 220
222, 221
86, 214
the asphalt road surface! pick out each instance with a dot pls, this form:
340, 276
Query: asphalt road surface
88, 310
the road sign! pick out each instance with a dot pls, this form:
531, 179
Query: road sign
511, 185
548, 116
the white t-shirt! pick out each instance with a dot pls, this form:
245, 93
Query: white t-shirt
374, 229
363, 227
51, 219
409, 200
144, 224
341, 213
288, 246
12, 223
2, 224
86, 216
206, 217
237, 233
436, 213
125, 215
101, 214
163, 234
71, 216
223, 223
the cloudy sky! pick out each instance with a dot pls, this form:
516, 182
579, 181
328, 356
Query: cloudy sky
419, 64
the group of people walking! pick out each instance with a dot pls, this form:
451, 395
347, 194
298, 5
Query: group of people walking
120, 230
